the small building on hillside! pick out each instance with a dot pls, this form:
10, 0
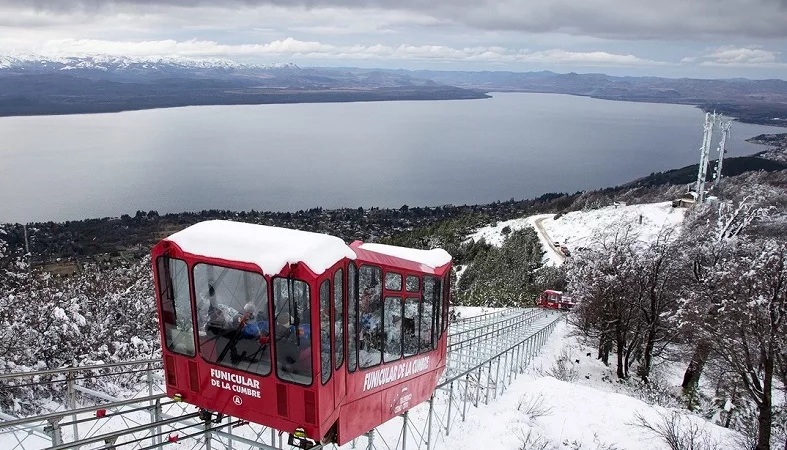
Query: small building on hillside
686, 200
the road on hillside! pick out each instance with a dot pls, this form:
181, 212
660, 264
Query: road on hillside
550, 242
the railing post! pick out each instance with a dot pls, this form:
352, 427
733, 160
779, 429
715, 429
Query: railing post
72, 402
208, 435
488, 377
152, 404
464, 401
450, 403
404, 431
54, 431
497, 376
229, 432
156, 418
370, 440
429, 424
478, 388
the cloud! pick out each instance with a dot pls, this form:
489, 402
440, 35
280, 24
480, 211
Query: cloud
623, 19
731, 56
294, 48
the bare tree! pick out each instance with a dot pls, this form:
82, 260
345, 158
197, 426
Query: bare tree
749, 335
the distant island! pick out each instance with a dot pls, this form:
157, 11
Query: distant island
39, 86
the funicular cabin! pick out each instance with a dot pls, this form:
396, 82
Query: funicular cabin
555, 300
299, 331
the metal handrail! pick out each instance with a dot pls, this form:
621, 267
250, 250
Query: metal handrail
67, 370
70, 412
522, 315
498, 355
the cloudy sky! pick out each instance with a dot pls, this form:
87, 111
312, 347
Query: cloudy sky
697, 38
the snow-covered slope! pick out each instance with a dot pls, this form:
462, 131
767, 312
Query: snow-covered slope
582, 228
582, 413
585, 228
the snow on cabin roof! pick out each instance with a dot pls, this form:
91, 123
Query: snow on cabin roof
432, 258
270, 248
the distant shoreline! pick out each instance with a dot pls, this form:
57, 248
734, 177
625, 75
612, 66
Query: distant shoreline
58, 106
297, 96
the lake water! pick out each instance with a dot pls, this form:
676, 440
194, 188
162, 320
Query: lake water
291, 157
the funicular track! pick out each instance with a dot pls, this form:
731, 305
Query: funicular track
485, 354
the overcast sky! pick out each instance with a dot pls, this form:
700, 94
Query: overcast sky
697, 38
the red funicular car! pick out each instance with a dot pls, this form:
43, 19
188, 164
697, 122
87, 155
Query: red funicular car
299, 331
555, 300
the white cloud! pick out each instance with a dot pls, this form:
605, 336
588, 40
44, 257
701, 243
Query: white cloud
294, 48
731, 56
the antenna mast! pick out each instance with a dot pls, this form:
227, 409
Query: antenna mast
725, 130
704, 156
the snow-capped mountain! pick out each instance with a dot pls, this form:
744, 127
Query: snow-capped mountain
109, 63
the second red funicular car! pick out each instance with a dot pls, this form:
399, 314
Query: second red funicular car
299, 331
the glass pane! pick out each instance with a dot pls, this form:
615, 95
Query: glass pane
352, 320
393, 281
412, 283
173, 289
446, 292
232, 316
325, 331
410, 327
338, 318
293, 330
437, 303
426, 315
370, 304
392, 321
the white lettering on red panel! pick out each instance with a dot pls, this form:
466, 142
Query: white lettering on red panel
389, 374
235, 383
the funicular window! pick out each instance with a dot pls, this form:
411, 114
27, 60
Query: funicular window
325, 331
427, 314
352, 319
232, 316
413, 283
338, 319
392, 321
173, 290
438, 331
446, 293
410, 327
293, 330
393, 281
370, 311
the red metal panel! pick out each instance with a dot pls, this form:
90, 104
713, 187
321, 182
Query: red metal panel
359, 416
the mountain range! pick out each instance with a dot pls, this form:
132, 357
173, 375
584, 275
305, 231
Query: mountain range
35, 84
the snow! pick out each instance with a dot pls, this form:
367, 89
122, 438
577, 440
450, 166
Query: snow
433, 258
108, 62
582, 228
585, 228
270, 248
583, 413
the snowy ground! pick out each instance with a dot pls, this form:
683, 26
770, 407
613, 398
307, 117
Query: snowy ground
582, 228
591, 411
585, 413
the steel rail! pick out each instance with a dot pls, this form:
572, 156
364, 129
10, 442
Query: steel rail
104, 437
498, 355
470, 330
70, 412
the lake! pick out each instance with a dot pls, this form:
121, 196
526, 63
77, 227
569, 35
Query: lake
386, 154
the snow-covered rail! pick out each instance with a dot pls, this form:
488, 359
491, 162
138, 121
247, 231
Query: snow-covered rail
485, 353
